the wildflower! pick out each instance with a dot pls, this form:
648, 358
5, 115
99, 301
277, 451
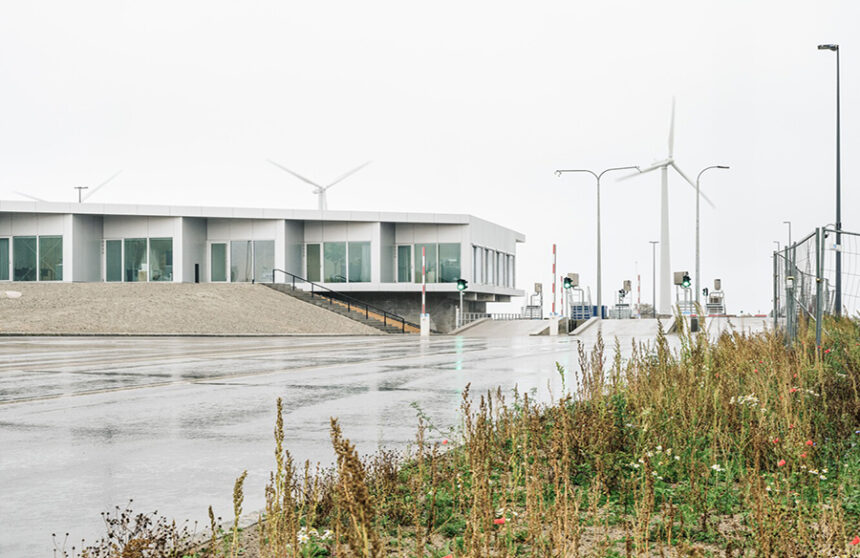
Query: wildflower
792, 390
659, 448
813, 471
826, 351
499, 521
776, 440
824, 471
767, 488
822, 477
649, 453
781, 463
669, 451
855, 541
790, 426
444, 441
326, 535
803, 455
755, 370
653, 473
809, 442
677, 458
716, 467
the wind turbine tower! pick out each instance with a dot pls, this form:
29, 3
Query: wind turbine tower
665, 305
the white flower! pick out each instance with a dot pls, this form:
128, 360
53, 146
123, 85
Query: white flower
641, 460
326, 535
649, 454
677, 458
822, 477
767, 488
669, 451
653, 473
659, 448
716, 467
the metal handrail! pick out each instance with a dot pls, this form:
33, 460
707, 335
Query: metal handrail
333, 295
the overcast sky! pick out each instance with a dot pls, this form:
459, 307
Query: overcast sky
463, 107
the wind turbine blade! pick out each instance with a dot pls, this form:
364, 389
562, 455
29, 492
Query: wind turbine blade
34, 198
672, 130
96, 189
347, 175
655, 166
300, 177
693, 184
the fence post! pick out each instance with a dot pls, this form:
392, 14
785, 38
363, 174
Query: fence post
819, 284
775, 291
789, 300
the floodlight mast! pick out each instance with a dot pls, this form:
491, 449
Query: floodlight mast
838, 297
598, 177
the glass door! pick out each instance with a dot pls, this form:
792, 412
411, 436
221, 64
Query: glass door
4, 259
218, 262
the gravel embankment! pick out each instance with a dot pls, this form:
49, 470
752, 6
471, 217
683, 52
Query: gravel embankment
170, 308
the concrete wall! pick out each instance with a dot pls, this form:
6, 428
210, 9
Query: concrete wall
441, 307
243, 229
86, 243
192, 250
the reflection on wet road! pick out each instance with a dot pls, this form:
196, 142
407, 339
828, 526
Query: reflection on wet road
87, 423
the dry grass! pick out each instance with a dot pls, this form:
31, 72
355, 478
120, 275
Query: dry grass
734, 448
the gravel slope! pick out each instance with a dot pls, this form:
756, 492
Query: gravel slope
169, 308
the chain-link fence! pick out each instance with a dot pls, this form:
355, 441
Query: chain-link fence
804, 279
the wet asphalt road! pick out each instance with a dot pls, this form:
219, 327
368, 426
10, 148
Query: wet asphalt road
87, 423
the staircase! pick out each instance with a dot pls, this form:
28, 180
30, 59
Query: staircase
346, 306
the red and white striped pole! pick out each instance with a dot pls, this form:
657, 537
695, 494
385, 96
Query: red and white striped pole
553, 279
638, 291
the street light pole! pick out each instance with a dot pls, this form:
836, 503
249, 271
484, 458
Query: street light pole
598, 177
838, 297
701, 172
789, 230
654, 244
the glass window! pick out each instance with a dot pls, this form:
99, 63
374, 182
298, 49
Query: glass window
430, 262
359, 262
241, 261
50, 258
334, 264
161, 259
313, 263
404, 263
449, 262
136, 268
264, 260
4, 259
113, 260
24, 258
218, 262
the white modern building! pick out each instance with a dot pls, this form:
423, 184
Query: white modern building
373, 256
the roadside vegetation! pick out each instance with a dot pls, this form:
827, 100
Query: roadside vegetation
735, 448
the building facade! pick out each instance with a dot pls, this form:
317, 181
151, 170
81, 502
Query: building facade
375, 257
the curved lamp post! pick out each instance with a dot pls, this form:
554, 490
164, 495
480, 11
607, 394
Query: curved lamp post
838, 299
597, 176
701, 172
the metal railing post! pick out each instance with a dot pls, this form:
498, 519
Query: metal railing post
775, 291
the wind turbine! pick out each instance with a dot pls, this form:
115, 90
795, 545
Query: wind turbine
81, 198
319, 190
664, 165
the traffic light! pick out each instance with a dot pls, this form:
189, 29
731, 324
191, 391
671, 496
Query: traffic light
568, 283
462, 285
705, 291
685, 281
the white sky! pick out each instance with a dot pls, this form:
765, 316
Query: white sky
462, 106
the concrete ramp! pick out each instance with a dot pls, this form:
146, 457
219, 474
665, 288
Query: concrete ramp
746, 325
507, 328
641, 330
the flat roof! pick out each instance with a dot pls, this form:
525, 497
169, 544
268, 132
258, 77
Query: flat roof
87, 208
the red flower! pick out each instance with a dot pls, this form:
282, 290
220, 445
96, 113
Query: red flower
755, 370
776, 440
855, 541
792, 390
809, 442
803, 455
445, 441
790, 426
499, 521
449, 556
781, 463
826, 351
